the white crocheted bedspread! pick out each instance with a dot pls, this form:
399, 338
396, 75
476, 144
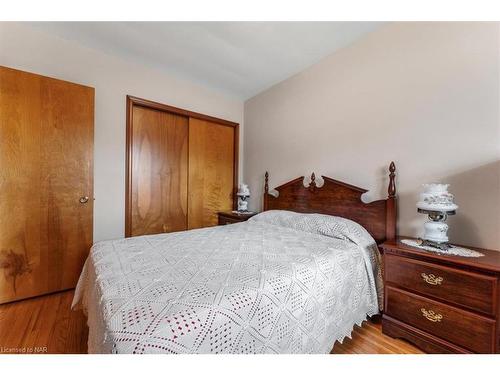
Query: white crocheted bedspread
279, 283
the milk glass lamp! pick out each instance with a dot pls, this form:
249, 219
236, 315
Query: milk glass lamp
438, 204
243, 194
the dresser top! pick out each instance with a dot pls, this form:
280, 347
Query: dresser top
237, 215
489, 262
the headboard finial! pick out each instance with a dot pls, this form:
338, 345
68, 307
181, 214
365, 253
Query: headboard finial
312, 185
392, 185
266, 191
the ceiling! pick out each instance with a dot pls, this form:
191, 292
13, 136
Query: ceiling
238, 58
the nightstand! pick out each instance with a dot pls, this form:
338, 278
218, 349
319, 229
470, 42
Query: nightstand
442, 303
234, 217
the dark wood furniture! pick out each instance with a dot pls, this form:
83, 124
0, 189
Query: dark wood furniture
339, 199
182, 167
442, 303
230, 217
46, 183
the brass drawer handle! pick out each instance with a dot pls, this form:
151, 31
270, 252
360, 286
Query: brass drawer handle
431, 315
431, 278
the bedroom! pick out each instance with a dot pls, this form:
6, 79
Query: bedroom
249, 187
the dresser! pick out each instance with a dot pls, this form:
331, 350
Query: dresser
442, 303
231, 217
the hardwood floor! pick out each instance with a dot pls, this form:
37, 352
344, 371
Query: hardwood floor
47, 325
43, 325
368, 339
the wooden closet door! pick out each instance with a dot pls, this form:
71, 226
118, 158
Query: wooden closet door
157, 172
211, 171
46, 167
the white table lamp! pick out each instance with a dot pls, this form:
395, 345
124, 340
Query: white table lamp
243, 194
438, 204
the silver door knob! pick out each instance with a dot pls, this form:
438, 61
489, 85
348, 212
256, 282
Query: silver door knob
84, 200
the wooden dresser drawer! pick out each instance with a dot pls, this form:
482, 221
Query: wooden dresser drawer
466, 329
467, 289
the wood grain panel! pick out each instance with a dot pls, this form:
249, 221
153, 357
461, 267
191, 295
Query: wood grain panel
67, 163
211, 172
393, 328
46, 165
468, 330
159, 152
470, 290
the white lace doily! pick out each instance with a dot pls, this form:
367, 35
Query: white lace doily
453, 250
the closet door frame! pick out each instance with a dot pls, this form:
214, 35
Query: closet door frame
132, 102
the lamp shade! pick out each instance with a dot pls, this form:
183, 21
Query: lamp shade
436, 197
243, 191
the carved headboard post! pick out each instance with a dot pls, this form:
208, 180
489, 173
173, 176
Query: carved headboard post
266, 191
390, 222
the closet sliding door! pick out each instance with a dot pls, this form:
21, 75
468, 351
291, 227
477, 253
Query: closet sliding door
211, 171
158, 157
181, 168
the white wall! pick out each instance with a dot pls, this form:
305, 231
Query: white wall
25, 48
422, 94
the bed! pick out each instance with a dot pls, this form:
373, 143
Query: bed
293, 279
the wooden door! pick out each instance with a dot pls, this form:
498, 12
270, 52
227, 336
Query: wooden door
157, 174
211, 171
46, 171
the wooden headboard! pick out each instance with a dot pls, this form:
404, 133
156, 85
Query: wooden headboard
339, 199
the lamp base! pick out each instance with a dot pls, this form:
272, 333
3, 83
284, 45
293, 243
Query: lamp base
445, 246
436, 230
242, 203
